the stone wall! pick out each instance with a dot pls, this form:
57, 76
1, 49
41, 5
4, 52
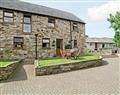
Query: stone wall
6, 72
119, 50
102, 52
53, 69
39, 26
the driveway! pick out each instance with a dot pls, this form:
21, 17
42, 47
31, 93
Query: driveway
102, 80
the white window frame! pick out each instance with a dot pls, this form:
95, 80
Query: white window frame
8, 17
27, 24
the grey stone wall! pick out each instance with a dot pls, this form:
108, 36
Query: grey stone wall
53, 69
6, 72
119, 50
39, 26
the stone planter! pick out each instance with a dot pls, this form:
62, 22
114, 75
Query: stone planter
6, 72
54, 69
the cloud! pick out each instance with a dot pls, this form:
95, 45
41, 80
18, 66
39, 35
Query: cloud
101, 12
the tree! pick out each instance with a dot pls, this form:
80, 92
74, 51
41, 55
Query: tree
115, 25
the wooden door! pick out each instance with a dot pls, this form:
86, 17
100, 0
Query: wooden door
96, 46
59, 47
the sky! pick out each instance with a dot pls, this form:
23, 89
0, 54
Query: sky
93, 12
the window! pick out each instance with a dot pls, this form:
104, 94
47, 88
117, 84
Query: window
90, 44
46, 43
75, 43
75, 26
8, 17
27, 24
18, 42
51, 22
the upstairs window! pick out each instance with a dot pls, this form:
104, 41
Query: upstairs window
27, 24
46, 43
75, 26
51, 22
8, 17
18, 42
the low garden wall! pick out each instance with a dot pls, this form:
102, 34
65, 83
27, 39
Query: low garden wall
53, 69
6, 72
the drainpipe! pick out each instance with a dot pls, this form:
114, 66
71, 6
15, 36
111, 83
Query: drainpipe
71, 33
36, 55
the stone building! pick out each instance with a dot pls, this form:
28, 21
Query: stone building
99, 43
22, 25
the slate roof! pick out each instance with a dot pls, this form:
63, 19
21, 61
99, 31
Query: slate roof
38, 9
99, 40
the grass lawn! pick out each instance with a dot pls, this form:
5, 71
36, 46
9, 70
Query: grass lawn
4, 63
52, 61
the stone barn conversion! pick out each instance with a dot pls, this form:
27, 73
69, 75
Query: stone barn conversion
99, 43
27, 28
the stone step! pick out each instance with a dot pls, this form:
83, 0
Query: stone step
28, 61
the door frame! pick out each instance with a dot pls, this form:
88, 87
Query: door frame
96, 46
60, 42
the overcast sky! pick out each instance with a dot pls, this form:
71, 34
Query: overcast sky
93, 12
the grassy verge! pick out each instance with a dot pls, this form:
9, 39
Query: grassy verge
55, 61
4, 63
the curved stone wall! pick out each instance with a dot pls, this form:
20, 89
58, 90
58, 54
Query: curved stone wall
53, 69
6, 72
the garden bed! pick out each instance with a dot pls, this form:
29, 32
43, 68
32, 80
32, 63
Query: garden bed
7, 68
55, 65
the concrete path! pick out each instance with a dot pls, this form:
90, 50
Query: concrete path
102, 80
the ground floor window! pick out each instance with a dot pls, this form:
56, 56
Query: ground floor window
90, 44
18, 42
46, 43
75, 43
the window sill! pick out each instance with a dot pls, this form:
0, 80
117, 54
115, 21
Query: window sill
26, 33
15, 48
51, 27
75, 31
46, 48
8, 23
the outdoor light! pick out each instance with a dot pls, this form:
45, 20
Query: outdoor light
36, 35
53, 43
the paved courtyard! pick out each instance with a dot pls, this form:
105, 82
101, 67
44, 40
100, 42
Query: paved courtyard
102, 80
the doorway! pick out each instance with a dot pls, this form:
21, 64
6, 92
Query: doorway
96, 46
59, 47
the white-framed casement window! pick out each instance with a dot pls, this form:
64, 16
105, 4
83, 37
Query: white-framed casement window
8, 17
46, 42
27, 24
75, 26
18, 42
51, 22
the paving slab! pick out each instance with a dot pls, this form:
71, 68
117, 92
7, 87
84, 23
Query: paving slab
102, 80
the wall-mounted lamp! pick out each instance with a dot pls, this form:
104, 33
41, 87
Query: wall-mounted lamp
53, 43
36, 57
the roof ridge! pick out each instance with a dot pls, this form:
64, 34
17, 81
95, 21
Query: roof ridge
44, 6
49, 8
39, 9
